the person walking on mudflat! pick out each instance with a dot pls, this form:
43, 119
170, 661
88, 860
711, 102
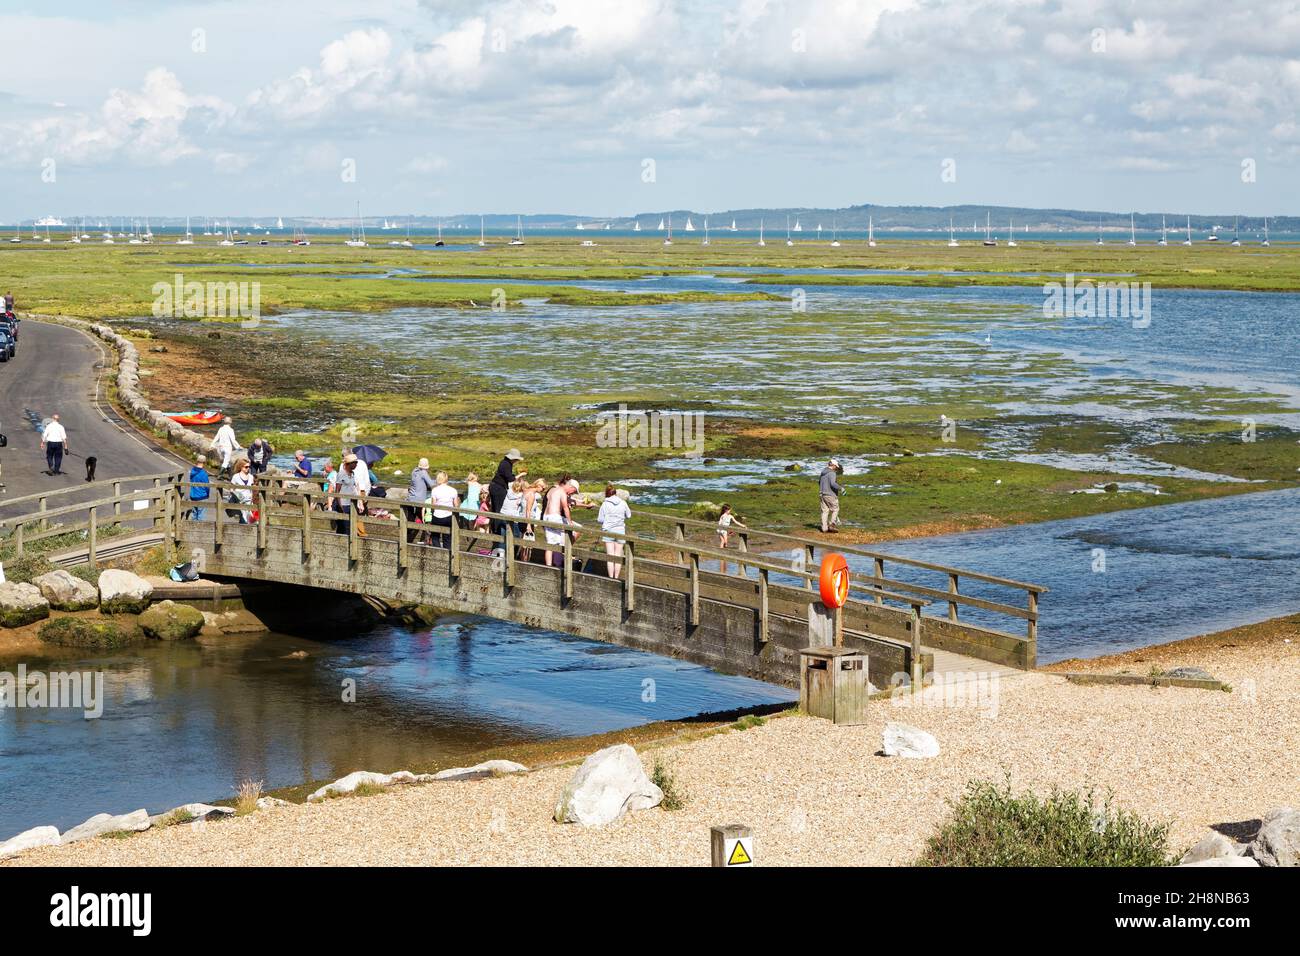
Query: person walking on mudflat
830, 491
225, 445
54, 442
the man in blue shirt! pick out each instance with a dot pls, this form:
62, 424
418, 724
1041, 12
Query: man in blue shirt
302, 464
199, 490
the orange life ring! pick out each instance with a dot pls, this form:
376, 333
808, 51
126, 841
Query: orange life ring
834, 580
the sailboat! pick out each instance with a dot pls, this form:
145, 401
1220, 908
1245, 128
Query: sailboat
690, 226
669, 240
279, 222
135, 239
439, 243
1236, 234
300, 236
636, 226
871, 232
797, 227
73, 236
1188, 240
788, 240
661, 225
1164, 233
581, 227
357, 238
1132, 231
952, 236
84, 233
518, 239
189, 236
760, 233
835, 235
1100, 240
482, 242
733, 225
819, 230
1265, 241
1011, 234
988, 230
47, 233
706, 232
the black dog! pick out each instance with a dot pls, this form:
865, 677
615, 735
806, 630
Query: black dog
90, 467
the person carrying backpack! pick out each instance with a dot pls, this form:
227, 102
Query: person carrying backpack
199, 490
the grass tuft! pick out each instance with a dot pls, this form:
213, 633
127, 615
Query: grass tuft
246, 797
675, 797
991, 826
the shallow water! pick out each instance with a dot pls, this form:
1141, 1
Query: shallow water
189, 721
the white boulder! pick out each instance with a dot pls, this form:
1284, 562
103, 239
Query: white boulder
1278, 840
121, 592
349, 784
902, 740
67, 592
608, 784
29, 840
1224, 861
489, 768
189, 812
270, 803
1212, 846
102, 823
21, 604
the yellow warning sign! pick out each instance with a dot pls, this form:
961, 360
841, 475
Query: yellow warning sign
739, 855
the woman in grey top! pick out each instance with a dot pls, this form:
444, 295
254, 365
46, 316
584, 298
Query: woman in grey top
418, 491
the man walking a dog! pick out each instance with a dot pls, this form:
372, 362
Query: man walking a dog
54, 442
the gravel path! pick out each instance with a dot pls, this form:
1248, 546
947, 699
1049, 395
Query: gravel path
815, 793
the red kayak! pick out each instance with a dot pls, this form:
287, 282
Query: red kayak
196, 418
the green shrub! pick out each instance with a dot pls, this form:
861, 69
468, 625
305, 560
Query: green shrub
85, 632
748, 721
662, 777
991, 826
23, 570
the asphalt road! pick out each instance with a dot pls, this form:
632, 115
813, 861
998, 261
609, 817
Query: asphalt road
58, 369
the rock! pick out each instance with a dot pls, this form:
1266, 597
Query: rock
1189, 673
901, 740
121, 592
67, 592
102, 823
1278, 840
608, 784
21, 604
169, 621
270, 803
489, 768
1213, 846
189, 812
85, 632
349, 784
29, 840
1224, 861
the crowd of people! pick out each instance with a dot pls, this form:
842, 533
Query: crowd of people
432, 502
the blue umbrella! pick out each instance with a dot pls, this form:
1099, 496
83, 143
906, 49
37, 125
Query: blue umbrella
370, 454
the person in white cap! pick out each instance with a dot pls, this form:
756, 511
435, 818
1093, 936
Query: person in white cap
830, 497
225, 445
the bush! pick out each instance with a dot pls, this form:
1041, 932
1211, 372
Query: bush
85, 632
23, 570
991, 826
662, 777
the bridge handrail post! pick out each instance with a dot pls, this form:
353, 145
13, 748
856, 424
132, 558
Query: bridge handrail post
218, 536
91, 537
262, 518
403, 555
915, 628
629, 577
952, 589
742, 545
117, 499
1031, 629
695, 588
453, 542
762, 605
508, 530
306, 525
568, 566
18, 537
679, 534
42, 507
354, 548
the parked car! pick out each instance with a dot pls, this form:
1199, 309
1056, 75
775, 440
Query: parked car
8, 347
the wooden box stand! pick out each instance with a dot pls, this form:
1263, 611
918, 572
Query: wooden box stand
833, 684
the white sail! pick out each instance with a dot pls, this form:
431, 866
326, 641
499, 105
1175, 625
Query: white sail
690, 226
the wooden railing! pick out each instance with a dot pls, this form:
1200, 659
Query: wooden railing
662, 540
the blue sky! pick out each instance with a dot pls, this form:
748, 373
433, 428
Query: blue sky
256, 108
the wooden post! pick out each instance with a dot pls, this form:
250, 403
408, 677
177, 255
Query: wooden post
629, 578
916, 648
1031, 632
839, 627
354, 544
117, 496
679, 534
952, 589
157, 483
403, 556
41, 509
762, 605
695, 588
508, 532
880, 574
810, 564
18, 538
742, 545
91, 535
218, 534
261, 518
306, 526
454, 543
568, 566
731, 845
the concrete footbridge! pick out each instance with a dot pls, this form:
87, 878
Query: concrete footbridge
748, 610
